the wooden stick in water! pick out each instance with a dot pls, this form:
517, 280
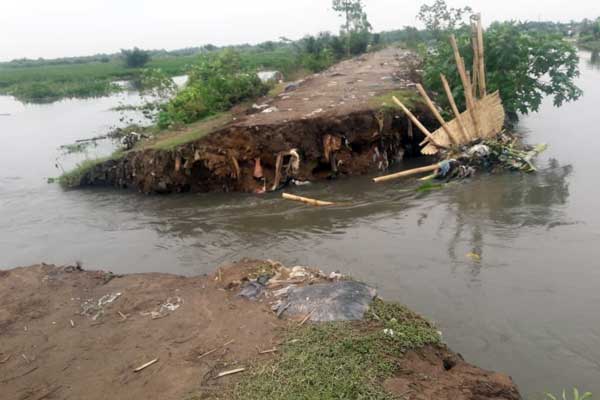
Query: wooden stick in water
418, 123
404, 174
436, 113
306, 200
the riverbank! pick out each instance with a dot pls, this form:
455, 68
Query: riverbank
40, 82
339, 122
69, 333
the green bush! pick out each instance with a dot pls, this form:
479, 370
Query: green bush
215, 84
135, 58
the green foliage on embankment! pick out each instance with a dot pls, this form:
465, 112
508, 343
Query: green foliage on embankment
340, 360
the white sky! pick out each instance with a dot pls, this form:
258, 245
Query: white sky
56, 28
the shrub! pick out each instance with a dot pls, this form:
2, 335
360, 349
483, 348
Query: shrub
135, 58
215, 84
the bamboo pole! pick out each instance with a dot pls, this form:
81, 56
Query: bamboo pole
457, 113
473, 109
475, 69
466, 81
404, 174
460, 65
233, 371
306, 200
142, 367
481, 58
418, 123
436, 113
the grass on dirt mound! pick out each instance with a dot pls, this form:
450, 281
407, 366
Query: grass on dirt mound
72, 178
342, 360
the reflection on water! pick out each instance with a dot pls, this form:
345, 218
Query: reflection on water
594, 61
501, 205
507, 265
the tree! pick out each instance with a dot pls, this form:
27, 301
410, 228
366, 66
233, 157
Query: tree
135, 58
524, 65
357, 26
438, 18
596, 29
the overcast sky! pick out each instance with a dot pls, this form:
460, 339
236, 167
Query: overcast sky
56, 28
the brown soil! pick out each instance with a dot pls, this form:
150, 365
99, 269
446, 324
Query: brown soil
49, 349
342, 106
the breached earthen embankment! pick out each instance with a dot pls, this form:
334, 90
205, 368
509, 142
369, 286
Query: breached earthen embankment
69, 333
339, 122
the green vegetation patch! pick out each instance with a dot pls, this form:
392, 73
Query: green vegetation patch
48, 82
72, 178
170, 140
341, 360
409, 98
592, 45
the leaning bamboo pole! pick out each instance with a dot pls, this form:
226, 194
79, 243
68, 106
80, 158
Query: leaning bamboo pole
418, 123
454, 107
436, 113
466, 82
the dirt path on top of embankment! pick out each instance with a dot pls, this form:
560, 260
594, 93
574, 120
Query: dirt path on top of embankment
347, 87
336, 123
72, 334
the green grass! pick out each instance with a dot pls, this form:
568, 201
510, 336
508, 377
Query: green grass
341, 360
408, 97
161, 141
50, 82
171, 139
591, 45
53, 82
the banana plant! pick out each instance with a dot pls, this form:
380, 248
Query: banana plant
576, 396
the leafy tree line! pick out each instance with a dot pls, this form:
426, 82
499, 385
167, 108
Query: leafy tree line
522, 61
223, 78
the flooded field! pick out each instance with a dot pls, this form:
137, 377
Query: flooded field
506, 265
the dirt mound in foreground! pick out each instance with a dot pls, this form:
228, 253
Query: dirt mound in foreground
72, 334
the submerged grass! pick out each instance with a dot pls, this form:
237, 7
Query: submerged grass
341, 360
73, 177
35, 83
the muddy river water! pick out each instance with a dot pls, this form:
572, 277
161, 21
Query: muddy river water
528, 304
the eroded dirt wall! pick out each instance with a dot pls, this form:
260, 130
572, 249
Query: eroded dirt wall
244, 158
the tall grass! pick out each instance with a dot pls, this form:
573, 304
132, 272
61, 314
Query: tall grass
50, 82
